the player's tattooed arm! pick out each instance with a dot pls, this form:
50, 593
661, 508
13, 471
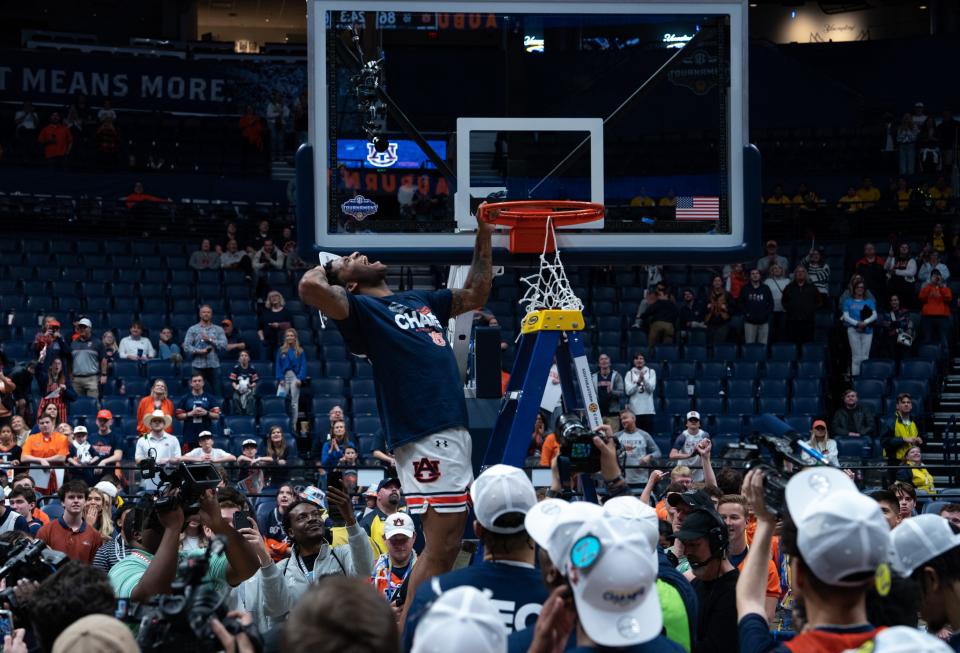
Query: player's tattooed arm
475, 291
316, 291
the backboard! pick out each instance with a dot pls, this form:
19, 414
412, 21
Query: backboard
421, 109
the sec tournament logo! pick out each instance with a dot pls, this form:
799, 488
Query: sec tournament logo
359, 207
382, 159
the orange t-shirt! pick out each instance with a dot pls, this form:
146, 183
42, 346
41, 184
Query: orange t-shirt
56, 140
41, 515
146, 406
39, 447
773, 577
661, 509
550, 450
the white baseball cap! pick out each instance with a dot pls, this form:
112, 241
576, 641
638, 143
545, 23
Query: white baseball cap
79, 428
85, 322
693, 415
501, 490
552, 523
904, 639
463, 619
613, 574
840, 532
633, 509
918, 540
399, 523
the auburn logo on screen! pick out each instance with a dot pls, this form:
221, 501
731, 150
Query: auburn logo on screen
426, 470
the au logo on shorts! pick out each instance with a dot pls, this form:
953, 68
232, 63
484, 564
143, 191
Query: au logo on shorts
426, 470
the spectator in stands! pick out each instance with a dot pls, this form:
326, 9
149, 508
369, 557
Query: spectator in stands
105, 445
950, 512
70, 533
938, 241
273, 322
108, 145
167, 348
56, 140
7, 389
24, 502
929, 156
111, 352
889, 506
293, 260
777, 283
904, 194
806, 199
639, 450
915, 473
907, 498
692, 312
49, 345
818, 271
778, 198
853, 420
609, 385
859, 313
389, 501
935, 298
261, 236
97, 513
135, 347
89, 362
868, 193
279, 455
251, 132
271, 523
204, 340
198, 410
734, 279
640, 383
772, 258
26, 123
45, 448
907, 134
267, 258
20, 429
166, 446
850, 203
831, 570
502, 495
719, 306
206, 452
301, 118
278, 113
138, 197
291, 368
10, 451
659, 318
902, 275
233, 258
12, 520
50, 407
691, 445
756, 304
735, 510
236, 343
800, 302
205, 258
392, 567
900, 432
158, 399
243, 380
333, 449
821, 442
896, 331
941, 193
107, 112
871, 268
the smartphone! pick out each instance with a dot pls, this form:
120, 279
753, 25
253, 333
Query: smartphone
241, 519
335, 479
6, 624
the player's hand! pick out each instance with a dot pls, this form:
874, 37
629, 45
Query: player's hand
485, 228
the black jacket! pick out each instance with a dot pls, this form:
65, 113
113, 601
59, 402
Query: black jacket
859, 420
800, 302
756, 303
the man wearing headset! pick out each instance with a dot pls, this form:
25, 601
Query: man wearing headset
705, 539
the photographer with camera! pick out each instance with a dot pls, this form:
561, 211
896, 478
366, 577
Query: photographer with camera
153, 536
836, 539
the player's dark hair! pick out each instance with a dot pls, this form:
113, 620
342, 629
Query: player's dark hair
77, 590
950, 507
501, 544
729, 480
332, 277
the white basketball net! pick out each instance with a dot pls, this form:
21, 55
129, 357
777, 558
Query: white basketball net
549, 288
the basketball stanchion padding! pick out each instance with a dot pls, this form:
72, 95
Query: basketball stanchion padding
527, 220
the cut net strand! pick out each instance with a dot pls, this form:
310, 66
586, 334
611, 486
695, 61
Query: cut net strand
549, 288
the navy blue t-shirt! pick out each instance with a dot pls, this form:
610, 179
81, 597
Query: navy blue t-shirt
192, 426
419, 389
517, 592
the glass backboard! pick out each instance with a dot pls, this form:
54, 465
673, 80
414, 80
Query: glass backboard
420, 110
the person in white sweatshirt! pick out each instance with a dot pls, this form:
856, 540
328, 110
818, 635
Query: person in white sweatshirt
641, 383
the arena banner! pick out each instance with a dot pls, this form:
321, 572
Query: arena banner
144, 83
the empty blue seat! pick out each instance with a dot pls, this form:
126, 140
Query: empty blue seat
741, 406
322, 405
917, 369
365, 406
775, 405
783, 351
813, 351
848, 447
117, 405
874, 404
799, 423
741, 388
239, 425
707, 388
722, 441
806, 406
681, 370
267, 422
363, 388
725, 352
273, 405
334, 353
677, 405
779, 369
84, 406
665, 353
806, 388
772, 388
709, 405
364, 370
753, 352
366, 424
728, 424
713, 370
745, 370
126, 368
327, 387
870, 387
809, 369
695, 352
916, 389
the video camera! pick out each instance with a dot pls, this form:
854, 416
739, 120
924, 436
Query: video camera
784, 463
30, 560
576, 444
190, 479
180, 621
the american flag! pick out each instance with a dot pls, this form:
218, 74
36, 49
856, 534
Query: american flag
698, 207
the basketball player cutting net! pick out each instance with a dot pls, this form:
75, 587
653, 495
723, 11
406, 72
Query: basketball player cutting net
418, 384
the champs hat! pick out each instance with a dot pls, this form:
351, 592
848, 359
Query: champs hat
842, 535
552, 523
399, 523
501, 490
632, 508
463, 619
613, 574
918, 540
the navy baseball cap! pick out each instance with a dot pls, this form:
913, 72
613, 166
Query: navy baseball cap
387, 481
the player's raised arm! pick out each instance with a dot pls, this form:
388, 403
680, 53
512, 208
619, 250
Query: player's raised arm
476, 289
315, 290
